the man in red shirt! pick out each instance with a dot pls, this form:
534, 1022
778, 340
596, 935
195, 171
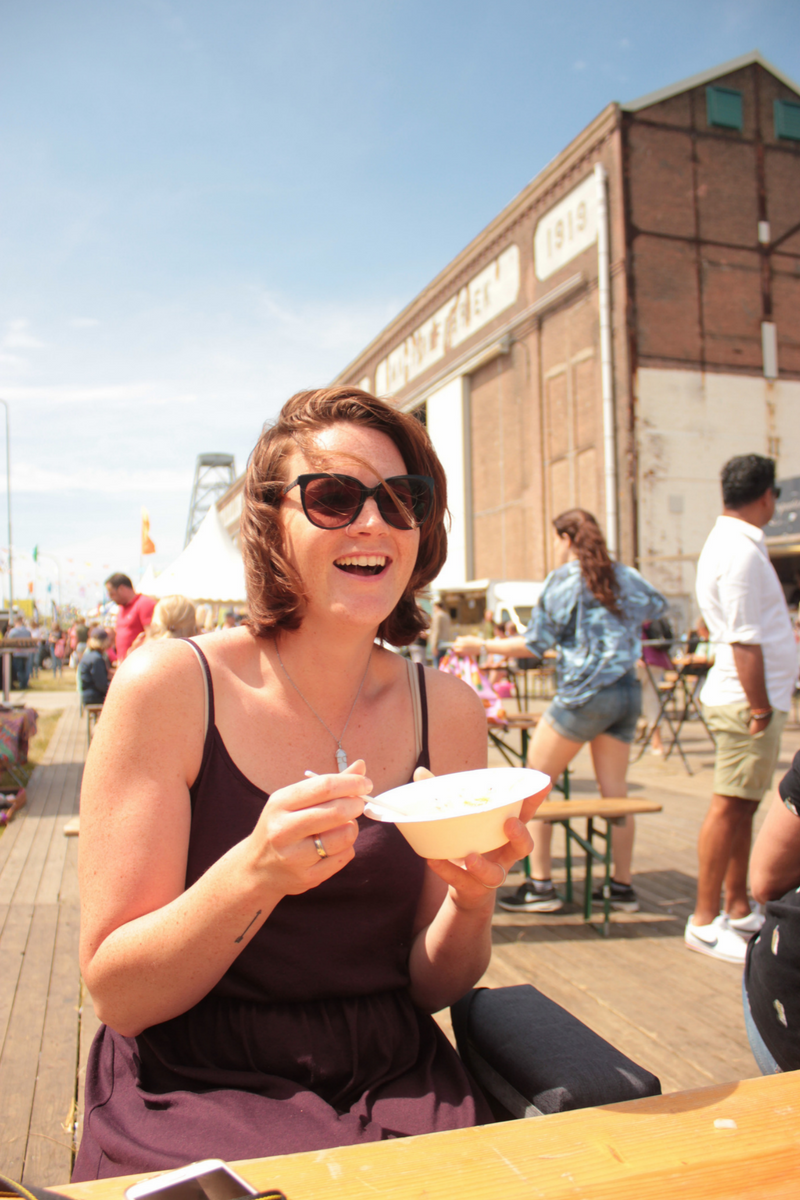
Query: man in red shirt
135, 611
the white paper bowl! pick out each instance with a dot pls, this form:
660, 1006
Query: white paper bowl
452, 816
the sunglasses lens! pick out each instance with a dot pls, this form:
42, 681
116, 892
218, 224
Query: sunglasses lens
330, 502
414, 497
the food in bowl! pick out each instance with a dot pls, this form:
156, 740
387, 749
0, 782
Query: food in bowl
451, 816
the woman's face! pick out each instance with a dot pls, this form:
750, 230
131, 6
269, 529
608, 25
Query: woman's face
562, 548
356, 574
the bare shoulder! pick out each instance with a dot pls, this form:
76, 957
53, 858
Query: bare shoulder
457, 722
156, 673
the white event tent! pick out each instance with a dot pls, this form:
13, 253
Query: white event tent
147, 582
210, 570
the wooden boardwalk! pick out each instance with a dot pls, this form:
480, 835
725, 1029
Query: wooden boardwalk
676, 1012
43, 1024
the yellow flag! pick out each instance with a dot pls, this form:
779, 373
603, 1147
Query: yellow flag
148, 546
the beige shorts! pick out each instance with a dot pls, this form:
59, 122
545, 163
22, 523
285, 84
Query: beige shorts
744, 763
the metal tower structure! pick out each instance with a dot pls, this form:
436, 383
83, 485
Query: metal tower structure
213, 475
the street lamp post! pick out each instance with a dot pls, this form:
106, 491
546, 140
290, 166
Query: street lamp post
7, 657
8, 498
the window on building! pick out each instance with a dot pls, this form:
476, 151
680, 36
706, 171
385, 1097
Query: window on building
724, 108
787, 119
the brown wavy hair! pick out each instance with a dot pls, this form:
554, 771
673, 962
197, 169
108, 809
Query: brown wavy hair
275, 594
595, 562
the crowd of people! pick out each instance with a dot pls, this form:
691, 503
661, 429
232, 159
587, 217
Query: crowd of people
264, 959
94, 650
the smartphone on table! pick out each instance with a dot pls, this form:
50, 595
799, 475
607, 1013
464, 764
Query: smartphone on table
211, 1179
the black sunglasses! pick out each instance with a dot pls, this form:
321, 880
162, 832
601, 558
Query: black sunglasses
334, 501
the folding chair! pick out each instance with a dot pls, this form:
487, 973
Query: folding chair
685, 683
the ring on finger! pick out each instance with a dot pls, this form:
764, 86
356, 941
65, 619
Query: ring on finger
321, 851
494, 886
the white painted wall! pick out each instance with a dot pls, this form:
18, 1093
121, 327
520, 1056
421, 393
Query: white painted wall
447, 426
688, 425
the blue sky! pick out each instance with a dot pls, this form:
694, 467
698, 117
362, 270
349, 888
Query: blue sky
208, 204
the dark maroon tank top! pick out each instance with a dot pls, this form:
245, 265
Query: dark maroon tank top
351, 935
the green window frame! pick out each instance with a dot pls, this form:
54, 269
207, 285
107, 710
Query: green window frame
787, 119
724, 108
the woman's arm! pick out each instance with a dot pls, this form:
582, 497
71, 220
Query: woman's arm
775, 860
452, 947
150, 949
515, 647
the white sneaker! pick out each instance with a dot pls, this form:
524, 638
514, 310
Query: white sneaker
717, 940
749, 925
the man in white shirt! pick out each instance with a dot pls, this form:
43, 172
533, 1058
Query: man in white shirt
746, 699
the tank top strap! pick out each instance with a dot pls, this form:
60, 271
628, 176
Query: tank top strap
209, 697
424, 759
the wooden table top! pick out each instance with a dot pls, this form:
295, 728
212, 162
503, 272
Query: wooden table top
522, 720
730, 1142
594, 806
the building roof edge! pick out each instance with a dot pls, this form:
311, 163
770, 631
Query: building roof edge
604, 121
684, 85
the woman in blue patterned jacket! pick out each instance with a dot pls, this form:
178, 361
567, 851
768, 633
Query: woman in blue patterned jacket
591, 610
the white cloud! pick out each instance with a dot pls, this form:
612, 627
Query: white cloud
83, 322
120, 393
30, 477
18, 337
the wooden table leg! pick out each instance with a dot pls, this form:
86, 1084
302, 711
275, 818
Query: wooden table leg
607, 884
587, 897
568, 857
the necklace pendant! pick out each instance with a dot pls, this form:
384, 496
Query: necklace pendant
341, 759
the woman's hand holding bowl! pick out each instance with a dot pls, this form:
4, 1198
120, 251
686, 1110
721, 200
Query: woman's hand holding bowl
473, 885
531, 803
301, 821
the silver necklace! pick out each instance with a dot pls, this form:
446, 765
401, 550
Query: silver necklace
341, 757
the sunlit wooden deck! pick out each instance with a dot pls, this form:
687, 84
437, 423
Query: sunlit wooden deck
676, 1012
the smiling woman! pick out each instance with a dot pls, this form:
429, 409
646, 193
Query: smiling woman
264, 956
306, 428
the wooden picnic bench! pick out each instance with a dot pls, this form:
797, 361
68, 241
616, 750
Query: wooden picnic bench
521, 723
733, 1141
92, 717
593, 808
562, 812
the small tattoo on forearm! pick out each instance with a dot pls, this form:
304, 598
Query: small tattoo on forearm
255, 918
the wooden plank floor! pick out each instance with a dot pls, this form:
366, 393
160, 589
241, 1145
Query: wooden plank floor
675, 1012
40, 997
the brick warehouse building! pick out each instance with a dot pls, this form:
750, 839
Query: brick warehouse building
624, 326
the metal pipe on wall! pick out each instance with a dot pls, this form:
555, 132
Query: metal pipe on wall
606, 358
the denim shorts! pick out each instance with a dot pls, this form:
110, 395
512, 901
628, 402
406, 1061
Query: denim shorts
614, 710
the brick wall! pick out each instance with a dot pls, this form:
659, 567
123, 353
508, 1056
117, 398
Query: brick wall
702, 284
